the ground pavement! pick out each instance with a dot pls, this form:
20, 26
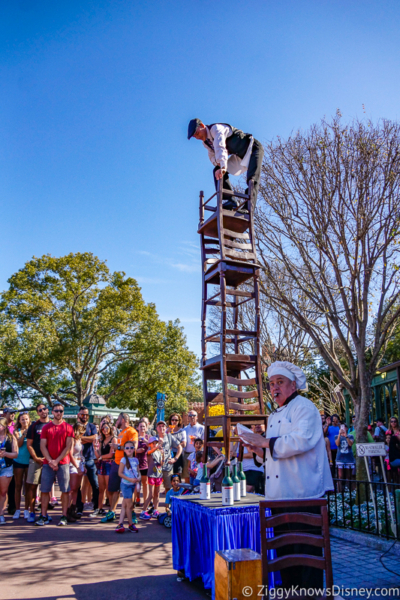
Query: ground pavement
89, 560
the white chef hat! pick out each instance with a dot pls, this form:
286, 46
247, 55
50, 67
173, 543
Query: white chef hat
290, 371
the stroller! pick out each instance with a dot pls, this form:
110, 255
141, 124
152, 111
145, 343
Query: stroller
166, 518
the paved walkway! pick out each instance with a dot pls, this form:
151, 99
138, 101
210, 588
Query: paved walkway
356, 566
88, 560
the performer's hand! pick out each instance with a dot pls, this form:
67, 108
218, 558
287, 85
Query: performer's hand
219, 174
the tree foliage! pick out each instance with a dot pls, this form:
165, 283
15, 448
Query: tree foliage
69, 325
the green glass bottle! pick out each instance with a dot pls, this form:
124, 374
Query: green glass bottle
205, 485
236, 484
227, 489
242, 477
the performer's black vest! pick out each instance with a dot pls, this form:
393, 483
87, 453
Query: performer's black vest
238, 142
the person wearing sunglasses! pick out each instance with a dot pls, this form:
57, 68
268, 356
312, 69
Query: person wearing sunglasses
193, 431
176, 430
56, 445
36, 458
21, 464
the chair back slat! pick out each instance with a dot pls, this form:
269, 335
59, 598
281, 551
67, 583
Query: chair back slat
295, 535
305, 518
297, 560
295, 538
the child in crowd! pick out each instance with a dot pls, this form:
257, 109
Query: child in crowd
344, 459
130, 477
155, 455
174, 491
198, 447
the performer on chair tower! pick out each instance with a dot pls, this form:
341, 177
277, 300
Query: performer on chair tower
231, 151
295, 460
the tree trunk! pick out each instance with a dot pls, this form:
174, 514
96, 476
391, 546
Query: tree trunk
361, 427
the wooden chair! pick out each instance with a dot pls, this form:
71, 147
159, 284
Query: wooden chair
296, 536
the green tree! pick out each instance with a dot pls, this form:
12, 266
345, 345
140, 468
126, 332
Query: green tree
68, 325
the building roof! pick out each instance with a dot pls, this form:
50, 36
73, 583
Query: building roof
94, 399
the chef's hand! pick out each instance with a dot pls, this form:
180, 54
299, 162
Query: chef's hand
254, 439
219, 174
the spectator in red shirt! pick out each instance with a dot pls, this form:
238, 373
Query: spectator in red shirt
56, 444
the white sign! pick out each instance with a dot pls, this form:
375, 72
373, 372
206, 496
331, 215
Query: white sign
371, 449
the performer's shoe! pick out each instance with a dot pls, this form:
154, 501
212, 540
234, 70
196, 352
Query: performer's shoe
229, 205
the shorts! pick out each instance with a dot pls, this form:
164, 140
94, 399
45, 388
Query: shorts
103, 468
49, 476
186, 465
34, 473
114, 480
18, 465
127, 490
341, 465
166, 476
76, 471
155, 480
6, 472
143, 472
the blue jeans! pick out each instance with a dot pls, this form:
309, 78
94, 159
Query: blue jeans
94, 482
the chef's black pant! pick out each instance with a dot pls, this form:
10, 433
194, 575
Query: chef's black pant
304, 577
253, 172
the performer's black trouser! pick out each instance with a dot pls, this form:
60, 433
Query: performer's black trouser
253, 172
304, 577
11, 496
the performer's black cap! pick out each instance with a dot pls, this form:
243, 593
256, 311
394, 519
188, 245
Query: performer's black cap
193, 125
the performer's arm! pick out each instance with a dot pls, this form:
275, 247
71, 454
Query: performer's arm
304, 435
220, 133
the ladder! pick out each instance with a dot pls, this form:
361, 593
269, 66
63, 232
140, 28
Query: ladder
229, 260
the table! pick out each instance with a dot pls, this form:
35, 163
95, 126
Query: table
201, 527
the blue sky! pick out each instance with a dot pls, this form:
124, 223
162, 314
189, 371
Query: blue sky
95, 97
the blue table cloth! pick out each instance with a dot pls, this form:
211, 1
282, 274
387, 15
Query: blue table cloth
199, 531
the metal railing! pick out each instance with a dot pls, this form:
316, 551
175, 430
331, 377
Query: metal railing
368, 507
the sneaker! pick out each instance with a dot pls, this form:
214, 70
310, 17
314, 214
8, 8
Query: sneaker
133, 529
54, 501
88, 506
134, 518
51, 506
26, 514
150, 510
144, 516
2, 520
63, 521
119, 528
110, 516
101, 512
95, 513
48, 519
155, 514
41, 521
31, 518
37, 499
17, 514
79, 514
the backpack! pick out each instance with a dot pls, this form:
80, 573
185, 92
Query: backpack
382, 434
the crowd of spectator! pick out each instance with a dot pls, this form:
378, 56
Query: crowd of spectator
341, 447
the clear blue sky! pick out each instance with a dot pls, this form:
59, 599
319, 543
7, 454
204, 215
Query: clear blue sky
95, 97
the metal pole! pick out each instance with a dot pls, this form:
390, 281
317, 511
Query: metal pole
372, 496
388, 495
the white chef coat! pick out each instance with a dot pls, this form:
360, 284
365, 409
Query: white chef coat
234, 165
299, 467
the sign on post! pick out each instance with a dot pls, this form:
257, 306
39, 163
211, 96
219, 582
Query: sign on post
371, 449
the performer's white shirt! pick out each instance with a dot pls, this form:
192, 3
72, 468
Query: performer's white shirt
217, 135
299, 467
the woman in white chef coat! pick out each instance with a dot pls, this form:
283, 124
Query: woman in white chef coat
295, 460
